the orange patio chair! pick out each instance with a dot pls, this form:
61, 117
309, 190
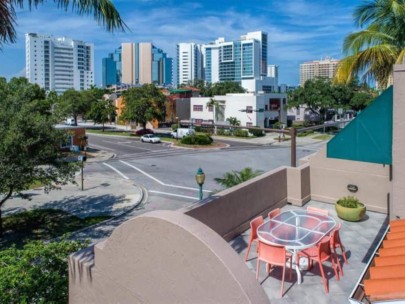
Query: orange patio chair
274, 212
317, 210
273, 256
320, 253
253, 233
335, 242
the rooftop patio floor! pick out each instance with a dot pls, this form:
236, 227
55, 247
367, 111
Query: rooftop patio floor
359, 239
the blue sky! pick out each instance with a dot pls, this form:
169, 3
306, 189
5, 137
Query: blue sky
298, 30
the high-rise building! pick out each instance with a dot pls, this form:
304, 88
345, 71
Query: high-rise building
143, 63
58, 64
112, 69
162, 68
318, 68
272, 70
236, 60
189, 62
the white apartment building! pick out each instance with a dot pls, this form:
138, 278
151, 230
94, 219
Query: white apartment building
318, 68
250, 108
58, 64
189, 63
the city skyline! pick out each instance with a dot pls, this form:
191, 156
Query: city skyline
297, 31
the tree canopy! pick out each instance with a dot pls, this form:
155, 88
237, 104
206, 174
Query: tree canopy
29, 146
320, 95
219, 88
103, 11
372, 51
142, 105
102, 111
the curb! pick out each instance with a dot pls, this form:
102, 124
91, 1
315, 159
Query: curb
143, 198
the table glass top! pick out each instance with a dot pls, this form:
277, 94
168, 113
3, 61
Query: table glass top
296, 229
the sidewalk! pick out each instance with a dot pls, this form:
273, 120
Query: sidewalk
102, 195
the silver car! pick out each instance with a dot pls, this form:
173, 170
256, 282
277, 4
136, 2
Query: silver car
150, 138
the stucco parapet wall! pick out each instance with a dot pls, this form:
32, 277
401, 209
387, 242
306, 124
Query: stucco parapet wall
229, 212
164, 257
330, 178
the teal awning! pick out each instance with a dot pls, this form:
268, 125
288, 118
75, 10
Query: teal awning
367, 138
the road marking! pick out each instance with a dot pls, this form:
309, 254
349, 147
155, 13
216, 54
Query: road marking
160, 182
143, 172
116, 170
100, 147
171, 194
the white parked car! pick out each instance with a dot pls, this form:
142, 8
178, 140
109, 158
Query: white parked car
152, 138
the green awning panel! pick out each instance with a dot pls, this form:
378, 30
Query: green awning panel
368, 137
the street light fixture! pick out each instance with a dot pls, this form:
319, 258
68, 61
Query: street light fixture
200, 179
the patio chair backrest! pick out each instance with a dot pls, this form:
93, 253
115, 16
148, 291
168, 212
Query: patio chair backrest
254, 224
274, 212
317, 210
324, 251
275, 255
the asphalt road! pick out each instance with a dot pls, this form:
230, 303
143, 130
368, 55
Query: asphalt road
169, 173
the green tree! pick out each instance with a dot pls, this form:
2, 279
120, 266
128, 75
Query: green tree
37, 273
234, 178
316, 94
372, 51
103, 12
223, 88
29, 141
71, 103
143, 104
233, 121
101, 111
91, 96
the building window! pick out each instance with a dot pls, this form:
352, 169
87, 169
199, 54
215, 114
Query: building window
198, 121
210, 108
249, 109
197, 108
249, 124
266, 107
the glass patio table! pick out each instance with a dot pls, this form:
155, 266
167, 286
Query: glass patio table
296, 230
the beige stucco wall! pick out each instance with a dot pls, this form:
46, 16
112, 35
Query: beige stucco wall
162, 257
229, 212
330, 177
299, 184
398, 144
145, 63
127, 58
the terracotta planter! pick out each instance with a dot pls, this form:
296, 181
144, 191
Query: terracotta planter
351, 214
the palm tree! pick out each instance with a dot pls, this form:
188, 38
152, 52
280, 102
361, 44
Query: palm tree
103, 11
372, 51
234, 178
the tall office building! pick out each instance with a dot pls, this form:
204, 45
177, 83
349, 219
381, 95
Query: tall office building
58, 64
236, 60
272, 70
262, 38
189, 62
143, 63
319, 68
112, 69
162, 68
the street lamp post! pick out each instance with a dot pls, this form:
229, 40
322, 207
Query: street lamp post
177, 130
83, 159
200, 178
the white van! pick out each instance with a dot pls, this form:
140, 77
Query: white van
70, 121
181, 132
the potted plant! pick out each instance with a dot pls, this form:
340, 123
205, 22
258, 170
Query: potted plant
350, 209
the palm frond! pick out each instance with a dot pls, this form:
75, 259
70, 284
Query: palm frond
361, 40
7, 17
103, 11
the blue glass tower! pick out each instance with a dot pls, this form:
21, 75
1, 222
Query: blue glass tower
112, 69
161, 68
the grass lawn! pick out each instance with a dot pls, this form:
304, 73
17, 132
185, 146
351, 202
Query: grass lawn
322, 136
109, 132
42, 224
